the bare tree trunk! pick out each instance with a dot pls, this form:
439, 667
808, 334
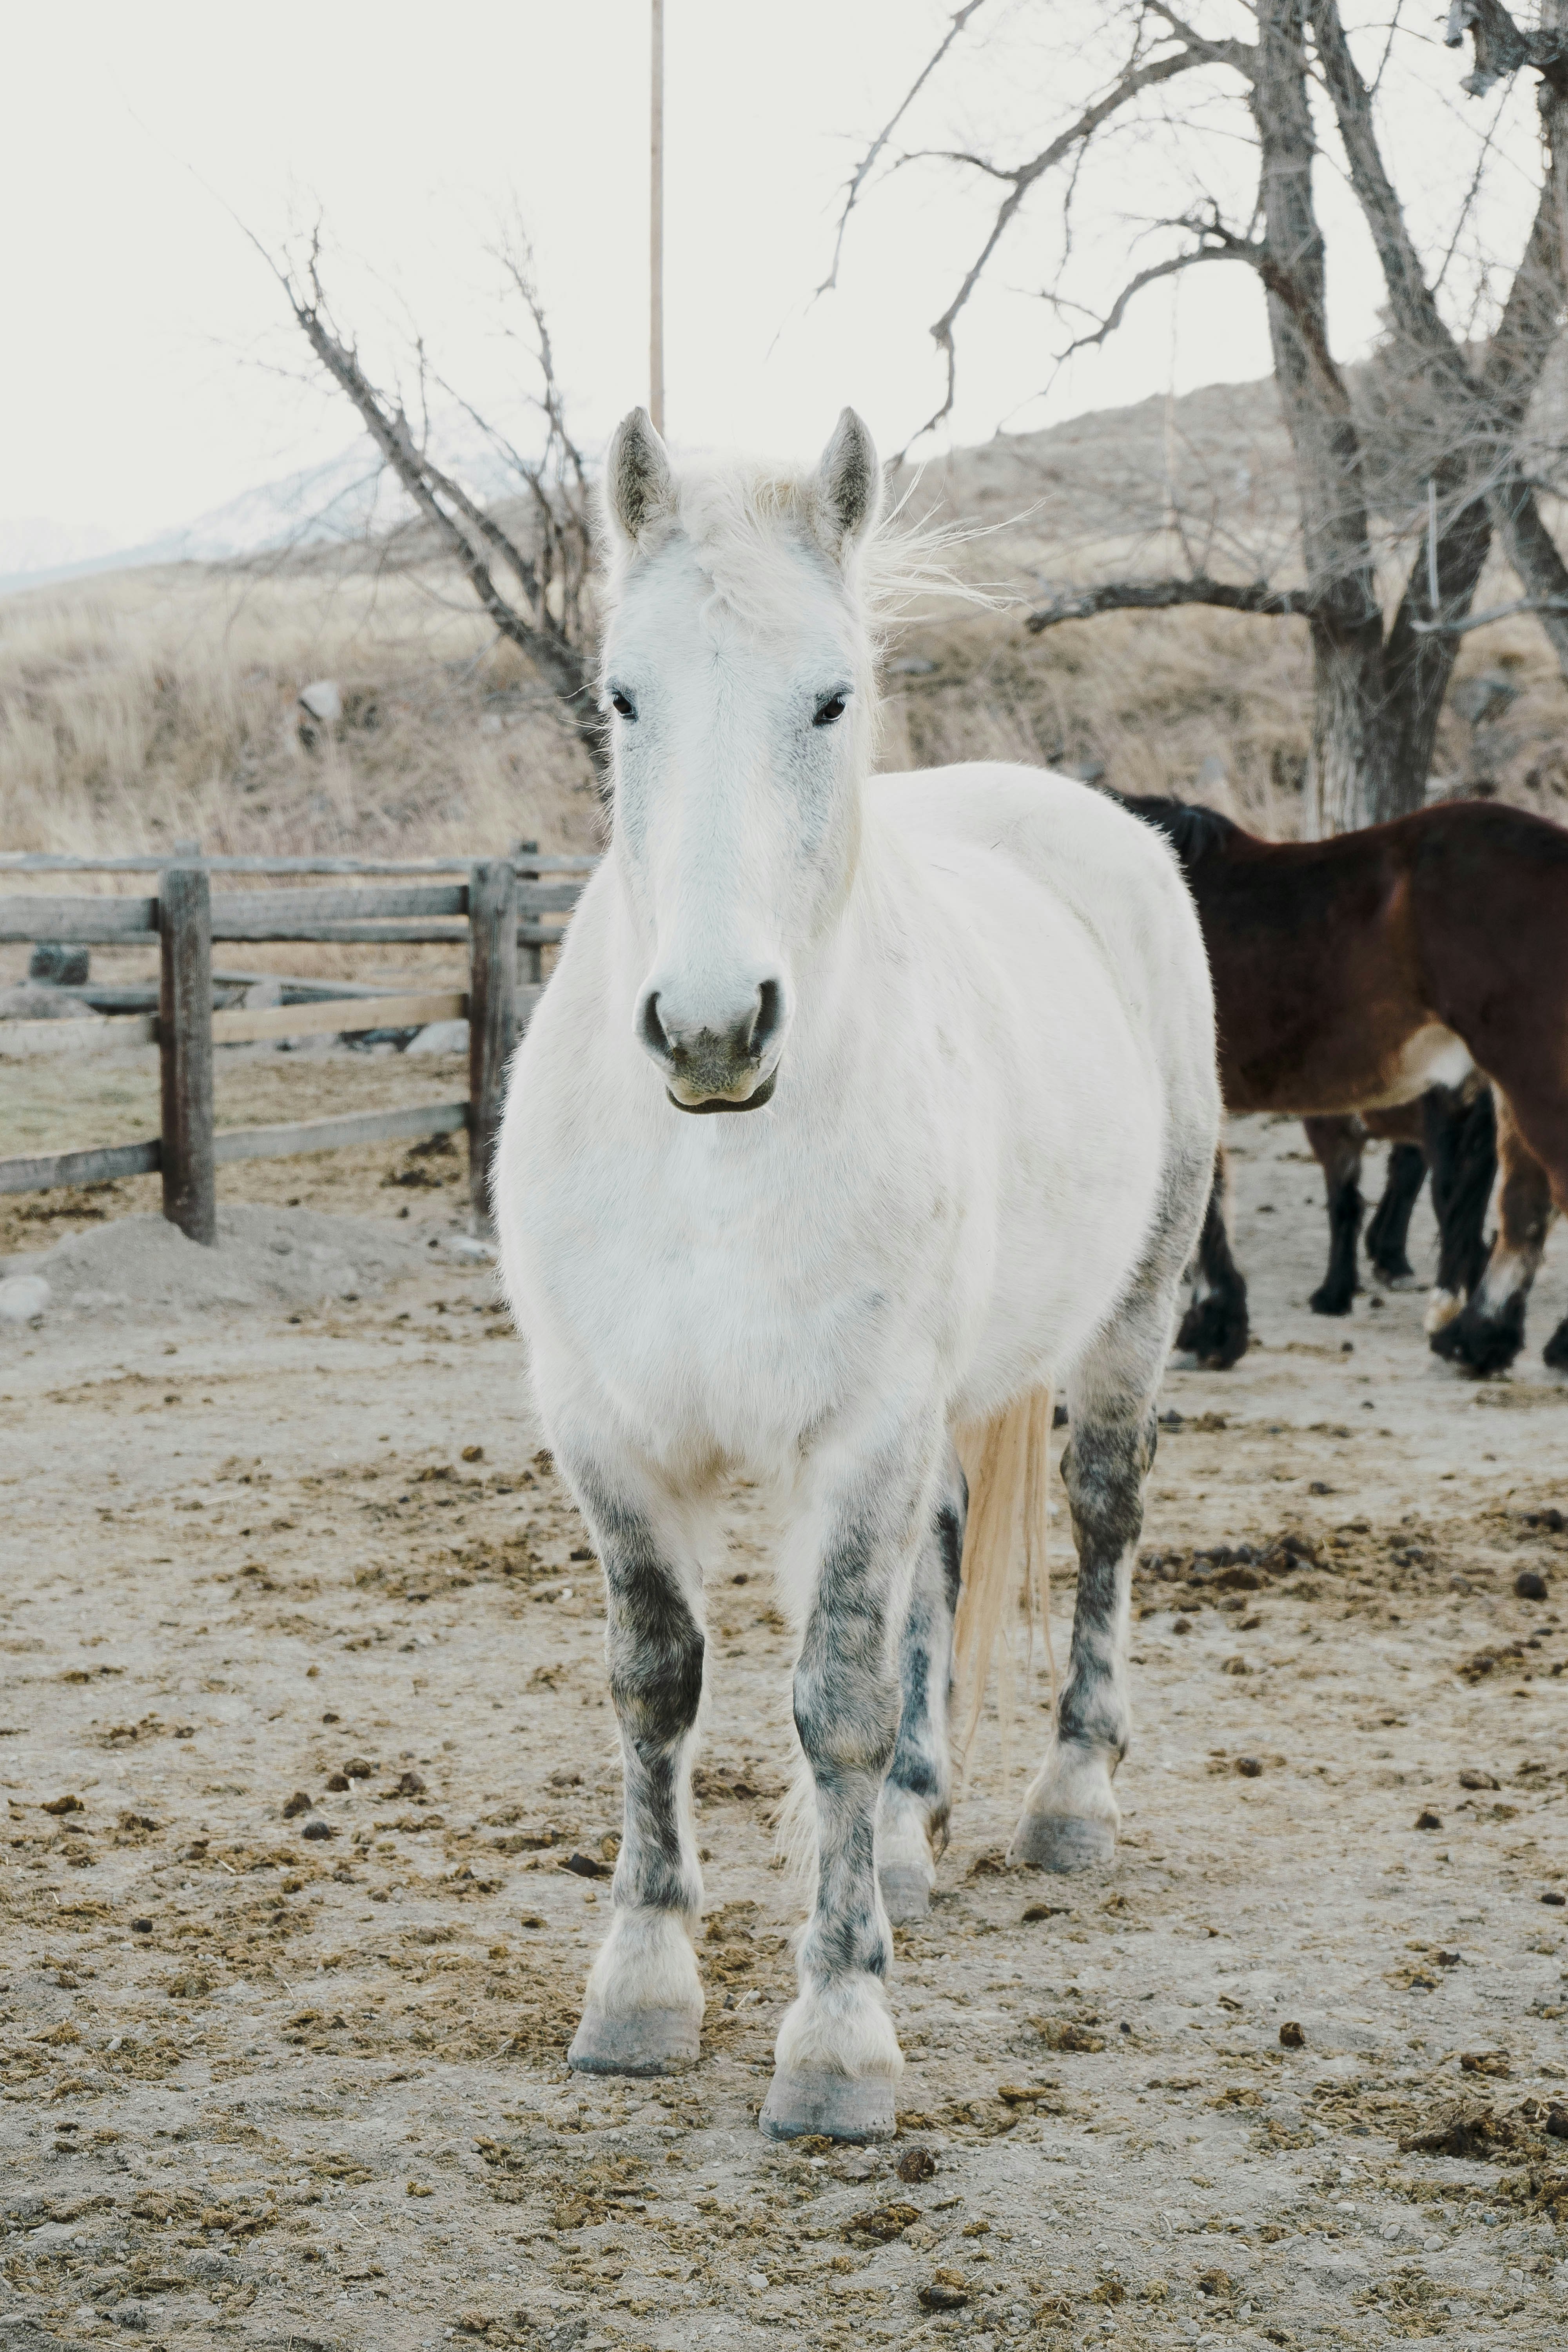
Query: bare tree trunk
1378, 691
1417, 663
1348, 755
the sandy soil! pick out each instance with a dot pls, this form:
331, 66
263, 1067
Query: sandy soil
291, 2074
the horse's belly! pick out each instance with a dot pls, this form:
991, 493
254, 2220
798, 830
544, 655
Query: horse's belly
1433, 1056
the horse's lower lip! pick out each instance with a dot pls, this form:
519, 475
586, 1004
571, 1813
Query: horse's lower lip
754, 1100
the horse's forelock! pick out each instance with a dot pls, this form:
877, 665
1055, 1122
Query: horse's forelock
748, 523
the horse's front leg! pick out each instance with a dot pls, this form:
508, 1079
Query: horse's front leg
837, 2056
643, 2010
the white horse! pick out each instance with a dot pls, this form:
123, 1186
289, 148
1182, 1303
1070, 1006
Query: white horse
958, 1029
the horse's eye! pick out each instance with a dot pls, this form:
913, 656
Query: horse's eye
826, 712
623, 706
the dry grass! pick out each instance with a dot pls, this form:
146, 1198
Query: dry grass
147, 706
144, 708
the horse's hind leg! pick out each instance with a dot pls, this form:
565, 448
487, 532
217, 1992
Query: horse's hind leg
1337, 1147
642, 2013
1214, 1327
1489, 1332
1461, 1144
837, 2055
912, 1819
1388, 1235
1070, 1817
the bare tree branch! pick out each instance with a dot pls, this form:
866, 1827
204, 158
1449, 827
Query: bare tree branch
1501, 48
1161, 596
1135, 80
1494, 613
1169, 268
1533, 553
464, 526
867, 163
1415, 310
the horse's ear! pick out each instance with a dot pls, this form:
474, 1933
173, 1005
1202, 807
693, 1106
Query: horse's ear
848, 486
639, 483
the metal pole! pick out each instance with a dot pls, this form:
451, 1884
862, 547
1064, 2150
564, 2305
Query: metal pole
655, 227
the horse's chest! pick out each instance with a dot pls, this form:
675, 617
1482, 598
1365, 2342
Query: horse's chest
749, 1301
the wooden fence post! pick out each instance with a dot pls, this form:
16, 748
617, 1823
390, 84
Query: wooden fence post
534, 952
185, 1050
492, 1018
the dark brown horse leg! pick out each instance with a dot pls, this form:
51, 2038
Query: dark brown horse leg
1214, 1327
1488, 1334
1461, 1144
1388, 1235
1337, 1147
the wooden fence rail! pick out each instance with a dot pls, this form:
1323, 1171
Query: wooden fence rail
496, 911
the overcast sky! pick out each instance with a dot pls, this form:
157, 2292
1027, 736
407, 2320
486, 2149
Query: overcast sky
147, 372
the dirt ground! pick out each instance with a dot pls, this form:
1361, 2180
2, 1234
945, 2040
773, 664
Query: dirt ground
310, 1781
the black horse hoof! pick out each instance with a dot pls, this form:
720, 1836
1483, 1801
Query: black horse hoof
1331, 1298
1397, 1272
1482, 1344
1215, 1330
1555, 1352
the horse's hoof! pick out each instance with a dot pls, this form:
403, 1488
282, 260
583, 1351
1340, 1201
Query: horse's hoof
806, 2099
1554, 1355
1215, 1332
906, 1893
1479, 1343
1325, 1301
643, 2042
1063, 1842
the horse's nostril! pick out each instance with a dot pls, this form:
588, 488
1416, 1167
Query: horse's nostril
652, 1034
769, 1013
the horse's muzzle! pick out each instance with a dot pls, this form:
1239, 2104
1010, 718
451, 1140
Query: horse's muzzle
754, 1100
728, 1064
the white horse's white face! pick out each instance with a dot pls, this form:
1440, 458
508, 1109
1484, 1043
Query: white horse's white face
738, 684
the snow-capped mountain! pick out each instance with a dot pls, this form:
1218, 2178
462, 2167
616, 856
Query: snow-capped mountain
345, 497
34, 543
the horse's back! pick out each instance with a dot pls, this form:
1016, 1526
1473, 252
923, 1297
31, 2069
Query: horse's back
1112, 877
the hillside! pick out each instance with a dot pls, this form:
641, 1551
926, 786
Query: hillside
143, 706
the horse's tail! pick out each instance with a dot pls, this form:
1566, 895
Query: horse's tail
1006, 1568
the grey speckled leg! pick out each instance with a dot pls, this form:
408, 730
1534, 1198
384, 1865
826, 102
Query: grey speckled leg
643, 2010
911, 1819
1070, 1818
837, 2057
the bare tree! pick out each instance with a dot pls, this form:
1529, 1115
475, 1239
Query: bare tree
544, 608
1453, 406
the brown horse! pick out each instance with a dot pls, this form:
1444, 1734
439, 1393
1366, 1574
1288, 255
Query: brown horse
1356, 973
1452, 1130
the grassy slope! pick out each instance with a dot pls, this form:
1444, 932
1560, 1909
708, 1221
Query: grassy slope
139, 707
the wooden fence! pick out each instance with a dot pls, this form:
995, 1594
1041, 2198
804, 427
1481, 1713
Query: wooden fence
503, 905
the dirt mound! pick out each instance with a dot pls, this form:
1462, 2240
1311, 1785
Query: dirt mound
264, 1257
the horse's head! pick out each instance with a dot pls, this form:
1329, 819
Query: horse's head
738, 683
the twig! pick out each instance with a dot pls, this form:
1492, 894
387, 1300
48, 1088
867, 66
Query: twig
868, 161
